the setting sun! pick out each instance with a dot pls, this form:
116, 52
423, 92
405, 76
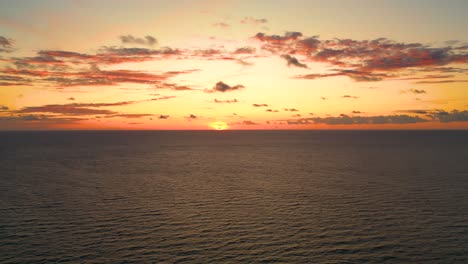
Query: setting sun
219, 125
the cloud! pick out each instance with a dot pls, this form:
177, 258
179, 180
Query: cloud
74, 108
323, 98
244, 63
4, 108
415, 91
93, 77
225, 101
5, 45
440, 115
443, 81
221, 25
174, 87
71, 98
35, 121
297, 115
291, 109
293, 61
163, 98
357, 112
309, 44
350, 96
191, 117
163, 116
245, 123
146, 40
358, 76
364, 60
132, 115
276, 39
12, 80
249, 123
65, 110
446, 117
244, 50
259, 105
253, 21
222, 87
106, 55
272, 110
354, 120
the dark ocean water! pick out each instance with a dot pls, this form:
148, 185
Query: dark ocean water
234, 197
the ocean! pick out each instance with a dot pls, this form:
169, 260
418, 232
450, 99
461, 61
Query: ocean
234, 197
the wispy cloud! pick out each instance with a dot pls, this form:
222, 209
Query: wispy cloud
225, 101
253, 21
221, 25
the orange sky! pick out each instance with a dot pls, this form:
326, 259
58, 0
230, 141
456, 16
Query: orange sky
233, 65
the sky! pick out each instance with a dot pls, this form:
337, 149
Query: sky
183, 65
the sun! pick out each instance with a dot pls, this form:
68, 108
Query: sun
219, 125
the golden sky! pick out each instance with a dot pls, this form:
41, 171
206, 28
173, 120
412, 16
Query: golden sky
233, 64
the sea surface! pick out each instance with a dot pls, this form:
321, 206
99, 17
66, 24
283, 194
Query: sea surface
234, 197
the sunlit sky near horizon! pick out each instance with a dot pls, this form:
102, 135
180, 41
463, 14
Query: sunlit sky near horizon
233, 64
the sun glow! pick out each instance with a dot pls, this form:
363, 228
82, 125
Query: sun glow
219, 125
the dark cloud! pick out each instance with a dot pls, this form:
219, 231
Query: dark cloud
12, 80
5, 44
357, 112
259, 105
74, 108
443, 81
35, 121
440, 115
163, 116
365, 60
293, 61
323, 98
350, 96
415, 91
288, 36
65, 110
253, 21
226, 101
309, 44
131, 115
163, 98
92, 77
4, 108
272, 110
191, 117
146, 40
415, 111
245, 50
291, 109
446, 117
354, 120
71, 98
106, 55
297, 115
222, 87
358, 76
